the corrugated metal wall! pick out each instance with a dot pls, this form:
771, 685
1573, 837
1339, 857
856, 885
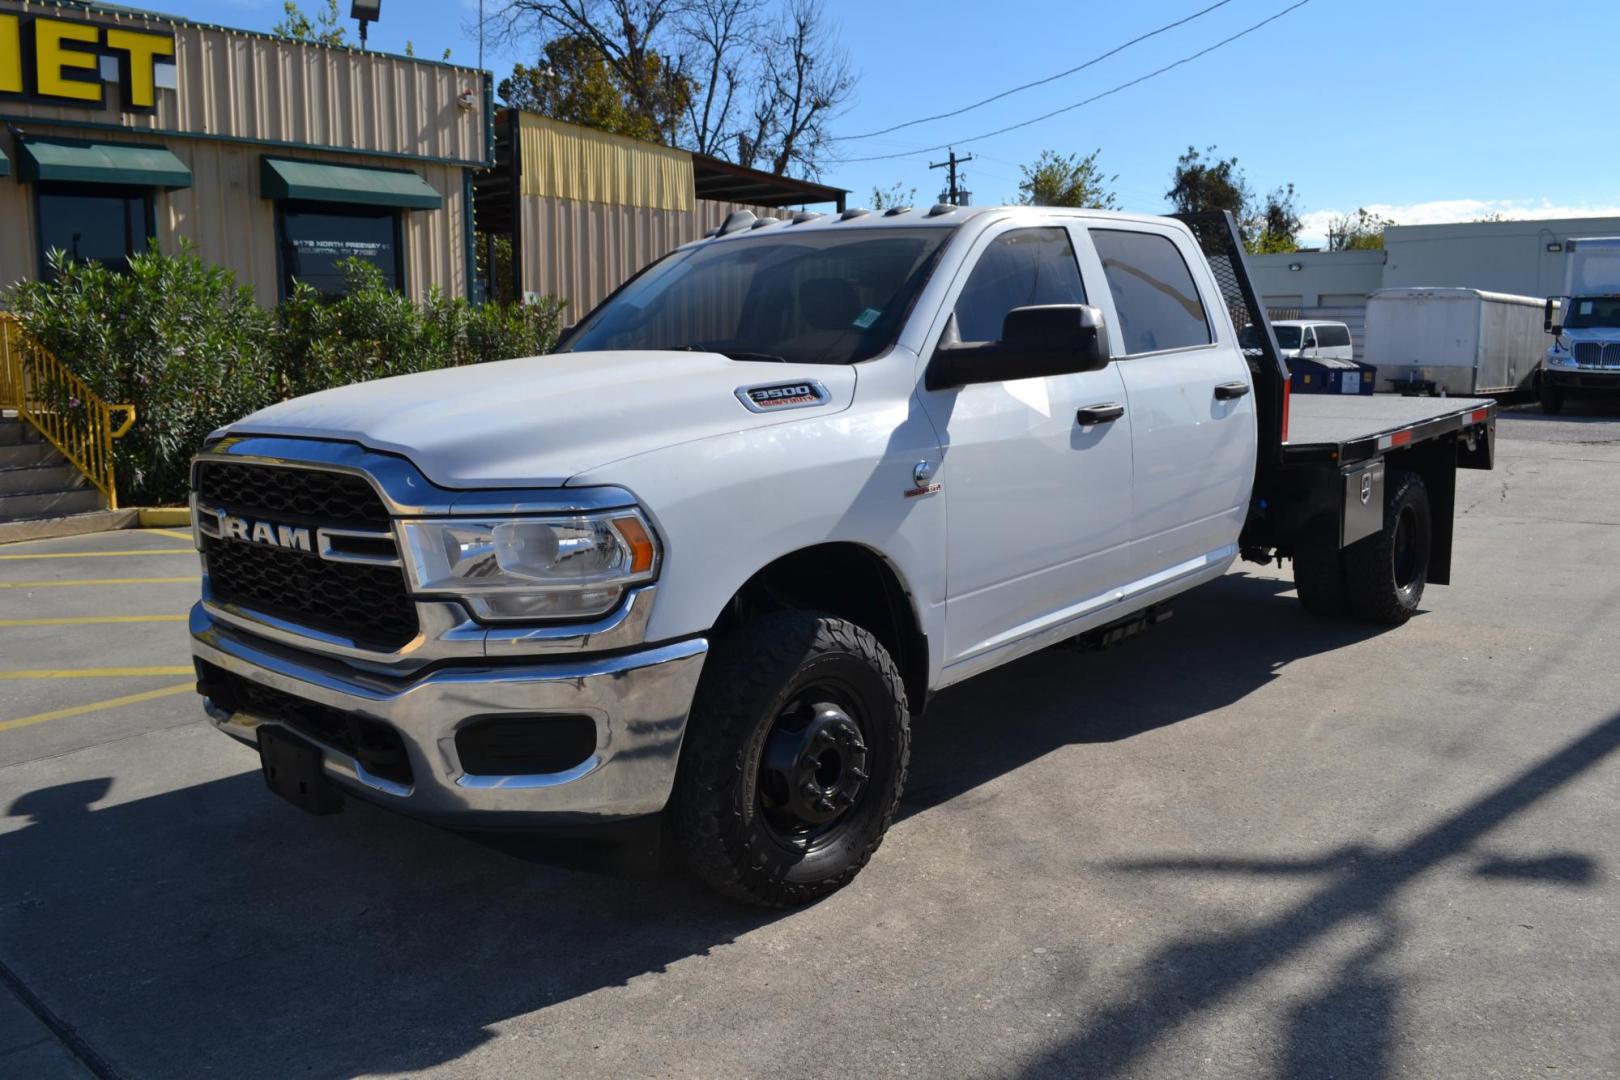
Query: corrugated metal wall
232, 226
566, 161
235, 84
582, 251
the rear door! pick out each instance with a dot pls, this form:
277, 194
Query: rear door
1038, 502
1189, 393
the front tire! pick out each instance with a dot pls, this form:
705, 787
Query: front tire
1552, 398
1384, 574
795, 759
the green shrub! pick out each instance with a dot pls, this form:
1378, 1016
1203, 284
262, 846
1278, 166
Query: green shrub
175, 337
188, 347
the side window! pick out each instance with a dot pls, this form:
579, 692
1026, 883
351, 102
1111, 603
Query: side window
1020, 268
1333, 337
1155, 300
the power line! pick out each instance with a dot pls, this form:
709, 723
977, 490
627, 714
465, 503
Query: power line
1089, 100
1039, 82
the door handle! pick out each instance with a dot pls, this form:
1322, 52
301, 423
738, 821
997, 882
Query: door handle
1099, 414
1227, 391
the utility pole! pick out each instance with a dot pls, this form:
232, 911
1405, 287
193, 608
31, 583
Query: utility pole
954, 194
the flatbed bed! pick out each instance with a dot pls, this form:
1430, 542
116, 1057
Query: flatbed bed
1351, 429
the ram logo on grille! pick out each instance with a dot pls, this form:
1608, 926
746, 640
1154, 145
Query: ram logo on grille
264, 532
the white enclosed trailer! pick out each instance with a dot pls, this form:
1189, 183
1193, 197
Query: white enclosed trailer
1454, 341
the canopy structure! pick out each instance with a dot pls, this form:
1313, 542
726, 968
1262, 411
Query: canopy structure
281, 178
75, 162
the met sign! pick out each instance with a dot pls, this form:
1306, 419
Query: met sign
68, 61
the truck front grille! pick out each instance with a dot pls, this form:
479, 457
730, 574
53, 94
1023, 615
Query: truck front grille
304, 496
1597, 354
364, 602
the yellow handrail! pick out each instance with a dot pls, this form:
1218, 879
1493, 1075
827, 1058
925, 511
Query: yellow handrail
72, 417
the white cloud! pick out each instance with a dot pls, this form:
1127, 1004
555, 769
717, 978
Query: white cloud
1314, 225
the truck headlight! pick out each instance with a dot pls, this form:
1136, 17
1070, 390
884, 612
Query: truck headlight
532, 568
1558, 358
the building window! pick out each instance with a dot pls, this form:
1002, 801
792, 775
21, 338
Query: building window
93, 223
316, 237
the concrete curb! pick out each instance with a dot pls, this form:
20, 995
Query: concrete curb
165, 517
12, 532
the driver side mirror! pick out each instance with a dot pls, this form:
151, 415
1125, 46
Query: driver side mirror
1552, 316
1036, 341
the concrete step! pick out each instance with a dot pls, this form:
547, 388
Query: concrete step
48, 504
30, 455
40, 479
14, 432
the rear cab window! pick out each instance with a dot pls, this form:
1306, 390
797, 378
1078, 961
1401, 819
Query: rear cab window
1157, 306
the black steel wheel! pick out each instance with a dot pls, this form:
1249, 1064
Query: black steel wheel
794, 761
1386, 572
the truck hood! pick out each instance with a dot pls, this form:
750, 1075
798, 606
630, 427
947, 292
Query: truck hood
538, 421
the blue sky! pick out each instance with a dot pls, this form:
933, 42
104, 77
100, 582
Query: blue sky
1427, 110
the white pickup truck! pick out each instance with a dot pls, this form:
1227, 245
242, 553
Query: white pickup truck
706, 564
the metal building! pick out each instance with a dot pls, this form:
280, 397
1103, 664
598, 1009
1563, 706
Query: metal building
1522, 258
585, 210
276, 158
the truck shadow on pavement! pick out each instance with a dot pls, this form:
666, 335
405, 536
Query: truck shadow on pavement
214, 929
1225, 641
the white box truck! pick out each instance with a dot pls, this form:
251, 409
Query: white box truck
1447, 341
1584, 358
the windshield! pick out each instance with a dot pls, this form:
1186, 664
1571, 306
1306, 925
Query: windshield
1592, 311
816, 297
1287, 336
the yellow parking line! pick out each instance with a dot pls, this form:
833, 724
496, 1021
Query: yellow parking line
101, 554
94, 706
92, 620
95, 672
97, 581
173, 533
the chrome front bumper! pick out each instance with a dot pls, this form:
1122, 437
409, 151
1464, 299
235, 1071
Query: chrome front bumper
639, 701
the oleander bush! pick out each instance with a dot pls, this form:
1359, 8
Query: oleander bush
189, 347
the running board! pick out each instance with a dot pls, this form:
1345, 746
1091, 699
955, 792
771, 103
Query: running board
1121, 630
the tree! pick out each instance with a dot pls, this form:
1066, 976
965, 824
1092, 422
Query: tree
806, 80
624, 34
1055, 180
893, 196
574, 82
721, 35
719, 76
325, 29
1276, 227
1363, 232
1200, 183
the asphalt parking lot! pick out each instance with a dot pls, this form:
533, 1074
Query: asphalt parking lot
1249, 844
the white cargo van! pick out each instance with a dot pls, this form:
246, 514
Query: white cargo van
1313, 339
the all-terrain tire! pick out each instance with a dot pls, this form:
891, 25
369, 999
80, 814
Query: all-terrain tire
1319, 570
1384, 573
722, 825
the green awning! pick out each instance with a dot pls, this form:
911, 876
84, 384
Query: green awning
319, 182
76, 162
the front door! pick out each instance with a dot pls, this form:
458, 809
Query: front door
1038, 503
